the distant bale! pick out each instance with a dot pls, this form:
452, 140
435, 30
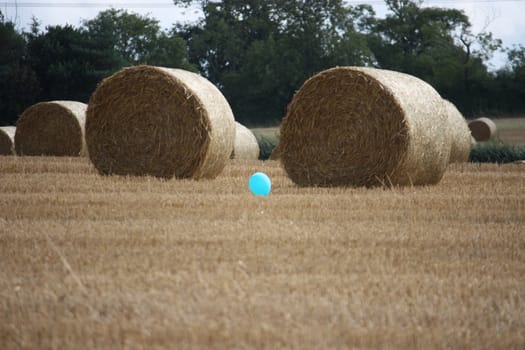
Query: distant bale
355, 126
161, 122
53, 128
482, 129
460, 133
7, 140
246, 145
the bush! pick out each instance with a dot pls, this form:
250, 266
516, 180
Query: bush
267, 140
496, 152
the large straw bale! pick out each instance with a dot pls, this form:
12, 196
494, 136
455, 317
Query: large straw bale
482, 129
356, 126
53, 128
246, 145
161, 122
7, 140
460, 133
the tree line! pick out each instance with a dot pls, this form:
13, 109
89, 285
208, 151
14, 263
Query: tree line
259, 52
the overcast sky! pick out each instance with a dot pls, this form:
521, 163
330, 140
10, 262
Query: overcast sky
504, 18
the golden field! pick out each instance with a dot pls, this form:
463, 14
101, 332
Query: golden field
139, 263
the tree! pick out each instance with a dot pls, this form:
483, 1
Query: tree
410, 31
70, 62
258, 52
18, 82
169, 51
436, 45
137, 39
508, 94
516, 56
67, 62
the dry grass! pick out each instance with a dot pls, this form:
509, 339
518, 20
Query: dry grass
120, 262
511, 130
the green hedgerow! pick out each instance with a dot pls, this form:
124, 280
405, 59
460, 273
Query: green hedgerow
267, 140
496, 152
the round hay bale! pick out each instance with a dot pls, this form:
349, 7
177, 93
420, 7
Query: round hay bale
161, 122
460, 133
482, 129
7, 140
356, 126
53, 128
246, 145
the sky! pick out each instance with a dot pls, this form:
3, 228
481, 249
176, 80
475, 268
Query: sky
504, 18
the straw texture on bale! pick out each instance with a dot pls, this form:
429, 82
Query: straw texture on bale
160, 122
53, 128
7, 139
355, 126
460, 133
246, 145
482, 129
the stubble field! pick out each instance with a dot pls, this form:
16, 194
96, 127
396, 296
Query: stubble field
140, 263
511, 130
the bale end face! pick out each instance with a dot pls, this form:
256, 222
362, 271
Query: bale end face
482, 129
353, 126
160, 122
53, 128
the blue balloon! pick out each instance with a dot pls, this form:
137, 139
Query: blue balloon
260, 184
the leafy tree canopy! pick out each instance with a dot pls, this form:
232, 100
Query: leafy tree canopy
260, 51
